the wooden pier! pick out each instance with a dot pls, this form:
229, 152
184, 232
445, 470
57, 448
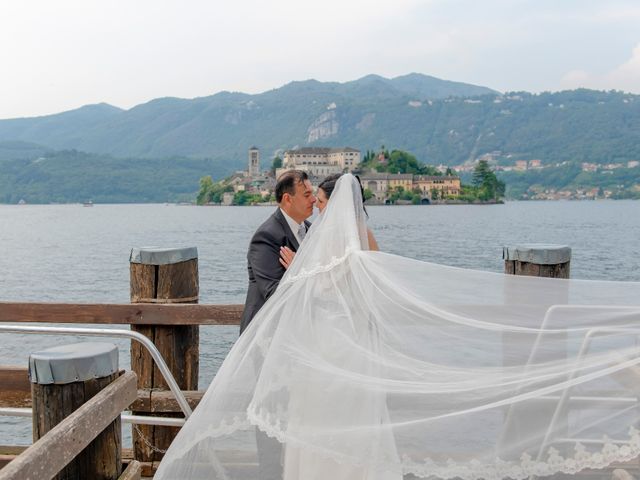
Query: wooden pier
15, 388
164, 306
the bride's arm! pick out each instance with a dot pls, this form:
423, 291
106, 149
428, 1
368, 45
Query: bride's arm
373, 245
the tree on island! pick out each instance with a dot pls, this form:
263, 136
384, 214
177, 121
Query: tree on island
275, 164
399, 193
245, 198
369, 156
396, 161
206, 183
211, 192
486, 184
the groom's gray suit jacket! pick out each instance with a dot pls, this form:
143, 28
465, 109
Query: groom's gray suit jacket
263, 263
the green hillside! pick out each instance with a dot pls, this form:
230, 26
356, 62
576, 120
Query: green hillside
72, 176
224, 125
575, 126
438, 121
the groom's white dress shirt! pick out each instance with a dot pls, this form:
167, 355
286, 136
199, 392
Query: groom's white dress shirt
295, 227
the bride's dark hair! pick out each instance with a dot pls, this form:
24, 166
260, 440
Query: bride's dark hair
329, 183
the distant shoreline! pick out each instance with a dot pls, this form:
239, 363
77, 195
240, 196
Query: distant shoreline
377, 204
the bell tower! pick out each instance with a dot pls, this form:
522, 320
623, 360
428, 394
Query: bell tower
254, 162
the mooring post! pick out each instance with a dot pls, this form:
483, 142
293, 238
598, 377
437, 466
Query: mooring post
537, 260
534, 260
64, 378
163, 275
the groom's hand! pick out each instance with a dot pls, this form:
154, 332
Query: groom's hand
286, 256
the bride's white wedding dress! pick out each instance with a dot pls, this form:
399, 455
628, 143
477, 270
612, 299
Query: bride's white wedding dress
370, 366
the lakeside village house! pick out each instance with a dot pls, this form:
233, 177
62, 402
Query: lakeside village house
319, 162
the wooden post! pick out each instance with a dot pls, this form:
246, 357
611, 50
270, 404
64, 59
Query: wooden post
533, 260
537, 260
163, 276
63, 379
67, 440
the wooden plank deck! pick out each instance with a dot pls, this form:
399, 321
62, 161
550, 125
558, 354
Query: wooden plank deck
242, 462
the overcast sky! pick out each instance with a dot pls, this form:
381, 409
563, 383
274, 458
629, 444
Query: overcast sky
62, 54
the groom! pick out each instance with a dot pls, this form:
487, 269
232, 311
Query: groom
285, 228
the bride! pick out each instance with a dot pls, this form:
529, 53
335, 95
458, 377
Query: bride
370, 366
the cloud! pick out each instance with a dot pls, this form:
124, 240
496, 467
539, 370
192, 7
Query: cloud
611, 13
627, 75
72, 52
624, 77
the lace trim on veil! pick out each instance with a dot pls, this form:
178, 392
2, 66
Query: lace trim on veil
612, 451
527, 466
335, 261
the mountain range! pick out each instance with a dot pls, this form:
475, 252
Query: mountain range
226, 124
439, 121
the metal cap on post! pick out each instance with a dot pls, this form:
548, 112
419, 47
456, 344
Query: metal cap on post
64, 378
162, 256
77, 362
537, 260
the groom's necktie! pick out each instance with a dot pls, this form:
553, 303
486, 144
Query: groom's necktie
302, 231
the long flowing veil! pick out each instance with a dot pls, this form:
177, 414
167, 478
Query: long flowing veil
366, 365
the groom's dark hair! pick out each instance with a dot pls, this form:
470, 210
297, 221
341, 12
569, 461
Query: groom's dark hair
287, 183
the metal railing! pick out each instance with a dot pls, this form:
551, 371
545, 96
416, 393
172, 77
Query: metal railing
126, 418
113, 333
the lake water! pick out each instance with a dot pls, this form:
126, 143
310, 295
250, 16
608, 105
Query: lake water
70, 253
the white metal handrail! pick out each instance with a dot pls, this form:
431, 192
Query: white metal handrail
114, 333
126, 418
581, 353
565, 397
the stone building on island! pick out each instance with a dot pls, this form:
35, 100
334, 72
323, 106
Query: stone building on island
320, 161
380, 184
446, 185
